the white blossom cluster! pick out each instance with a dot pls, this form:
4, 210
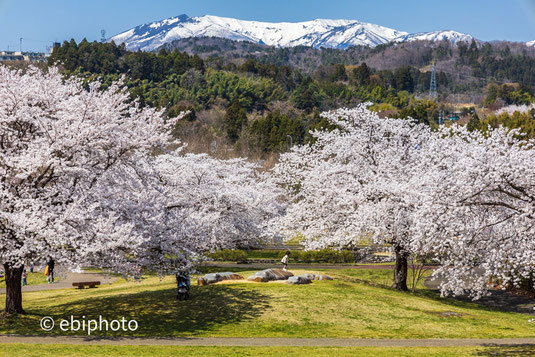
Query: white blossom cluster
511, 109
87, 177
466, 199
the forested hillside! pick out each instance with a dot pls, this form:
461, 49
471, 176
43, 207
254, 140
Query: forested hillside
248, 99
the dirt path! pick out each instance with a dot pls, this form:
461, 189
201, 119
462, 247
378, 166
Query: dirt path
261, 341
253, 266
65, 282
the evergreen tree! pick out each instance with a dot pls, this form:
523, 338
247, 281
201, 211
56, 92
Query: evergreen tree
361, 74
235, 117
474, 123
340, 72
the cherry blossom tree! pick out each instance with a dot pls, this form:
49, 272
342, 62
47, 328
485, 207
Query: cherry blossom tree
89, 178
356, 181
59, 144
466, 199
205, 204
477, 216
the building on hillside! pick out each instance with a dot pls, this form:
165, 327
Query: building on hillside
23, 56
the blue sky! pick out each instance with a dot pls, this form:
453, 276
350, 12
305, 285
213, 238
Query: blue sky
40, 22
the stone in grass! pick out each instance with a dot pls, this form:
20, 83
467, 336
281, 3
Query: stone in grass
270, 275
307, 278
217, 277
300, 279
323, 277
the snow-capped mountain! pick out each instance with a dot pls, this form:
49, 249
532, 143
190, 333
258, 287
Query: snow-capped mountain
449, 35
530, 43
316, 33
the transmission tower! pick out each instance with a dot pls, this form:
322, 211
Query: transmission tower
433, 86
103, 34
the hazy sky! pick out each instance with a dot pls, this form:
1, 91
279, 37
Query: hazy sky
41, 22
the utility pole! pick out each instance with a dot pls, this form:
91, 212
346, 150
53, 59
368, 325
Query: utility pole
441, 117
433, 85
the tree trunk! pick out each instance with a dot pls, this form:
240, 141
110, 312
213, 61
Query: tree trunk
13, 289
400, 270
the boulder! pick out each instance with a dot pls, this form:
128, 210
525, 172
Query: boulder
216, 277
307, 278
323, 277
270, 275
299, 279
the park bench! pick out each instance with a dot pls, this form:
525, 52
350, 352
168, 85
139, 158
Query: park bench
91, 284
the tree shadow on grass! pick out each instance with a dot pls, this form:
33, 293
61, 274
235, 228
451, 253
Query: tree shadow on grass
507, 350
158, 312
501, 301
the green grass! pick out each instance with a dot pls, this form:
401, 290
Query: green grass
344, 307
264, 254
379, 277
33, 279
37, 350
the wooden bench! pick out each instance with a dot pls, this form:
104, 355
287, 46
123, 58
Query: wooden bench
91, 284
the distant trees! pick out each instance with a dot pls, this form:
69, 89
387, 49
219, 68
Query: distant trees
276, 132
107, 58
340, 73
508, 93
307, 95
235, 117
474, 123
305, 79
361, 74
403, 79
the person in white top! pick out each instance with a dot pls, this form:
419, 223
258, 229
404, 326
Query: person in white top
284, 260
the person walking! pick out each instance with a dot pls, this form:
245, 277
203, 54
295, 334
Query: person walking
284, 260
50, 270
24, 276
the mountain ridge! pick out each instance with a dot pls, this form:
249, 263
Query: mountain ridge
316, 33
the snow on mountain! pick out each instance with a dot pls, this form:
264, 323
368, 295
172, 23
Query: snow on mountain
452, 36
316, 33
530, 43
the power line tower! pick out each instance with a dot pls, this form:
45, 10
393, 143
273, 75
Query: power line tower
103, 35
433, 86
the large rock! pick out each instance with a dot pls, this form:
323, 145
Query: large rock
217, 277
300, 279
307, 278
322, 277
270, 275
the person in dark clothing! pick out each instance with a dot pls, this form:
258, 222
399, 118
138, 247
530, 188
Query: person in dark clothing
183, 284
50, 270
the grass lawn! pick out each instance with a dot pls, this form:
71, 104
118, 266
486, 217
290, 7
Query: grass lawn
344, 307
37, 350
33, 279
264, 254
